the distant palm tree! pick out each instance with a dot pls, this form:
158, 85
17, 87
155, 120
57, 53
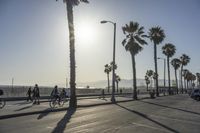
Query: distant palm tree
133, 43
169, 50
185, 59
107, 70
157, 35
150, 73
147, 81
185, 75
176, 63
198, 78
117, 80
70, 4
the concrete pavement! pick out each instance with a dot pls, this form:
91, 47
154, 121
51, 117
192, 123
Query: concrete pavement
20, 108
170, 114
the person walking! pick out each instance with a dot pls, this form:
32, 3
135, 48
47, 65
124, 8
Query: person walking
36, 94
29, 94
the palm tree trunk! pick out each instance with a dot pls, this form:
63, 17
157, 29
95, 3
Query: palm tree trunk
185, 83
108, 82
176, 81
134, 77
181, 79
156, 69
73, 100
169, 89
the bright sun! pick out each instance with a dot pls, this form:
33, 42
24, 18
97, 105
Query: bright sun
85, 33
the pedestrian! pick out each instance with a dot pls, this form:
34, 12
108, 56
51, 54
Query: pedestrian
36, 94
29, 94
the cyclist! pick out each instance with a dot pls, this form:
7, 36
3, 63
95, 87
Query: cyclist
55, 94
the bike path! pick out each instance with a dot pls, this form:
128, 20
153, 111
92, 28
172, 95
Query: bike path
21, 108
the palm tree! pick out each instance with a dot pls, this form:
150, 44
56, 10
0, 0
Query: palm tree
70, 4
133, 43
198, 78
117, 80
169, 50
107, 70
157, 35
185, 76
147, 81
150, 73
193, 79
176, 63
185, 59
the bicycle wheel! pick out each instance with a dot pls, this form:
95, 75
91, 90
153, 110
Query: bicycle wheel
62, 100
53, 103
2, 103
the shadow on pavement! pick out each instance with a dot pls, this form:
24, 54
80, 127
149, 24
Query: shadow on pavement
24, 108
61, 125
171, 107
146, 117
45, 113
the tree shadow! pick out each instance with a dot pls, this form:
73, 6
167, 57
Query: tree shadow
24, 108
187, 111
61, 125
146, 117
46, 112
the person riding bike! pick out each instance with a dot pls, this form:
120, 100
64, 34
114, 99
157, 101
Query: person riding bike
55, 94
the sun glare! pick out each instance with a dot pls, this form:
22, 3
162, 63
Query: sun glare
85, 33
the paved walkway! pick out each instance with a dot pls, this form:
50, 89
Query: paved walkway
19, 108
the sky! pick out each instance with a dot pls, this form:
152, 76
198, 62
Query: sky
34, 42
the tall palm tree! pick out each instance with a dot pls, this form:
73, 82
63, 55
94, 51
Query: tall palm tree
169, 50
107, 70
156, 35
185, 59
70, 4
176, 63
117, 80
133, 43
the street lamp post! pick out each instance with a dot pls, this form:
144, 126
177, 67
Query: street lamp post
113, 70
164, 67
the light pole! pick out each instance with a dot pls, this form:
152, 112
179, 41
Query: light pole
113, 70
164, 67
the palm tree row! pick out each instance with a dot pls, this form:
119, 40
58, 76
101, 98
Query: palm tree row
134, 42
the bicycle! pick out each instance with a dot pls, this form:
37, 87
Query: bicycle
2, 103
54, 102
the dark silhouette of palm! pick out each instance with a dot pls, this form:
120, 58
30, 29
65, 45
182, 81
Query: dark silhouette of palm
70, 4
176, 63
147, 81
169, 50
133, 43
156, 35
150, 73
185, 76
198, 78
107, 70
185, 59
117, 80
